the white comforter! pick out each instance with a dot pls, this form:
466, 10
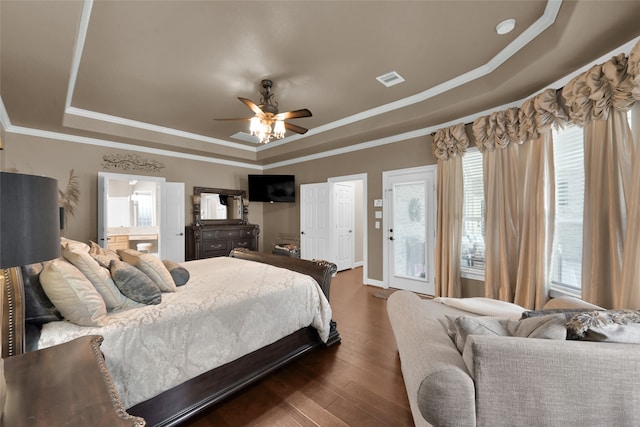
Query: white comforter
229, 308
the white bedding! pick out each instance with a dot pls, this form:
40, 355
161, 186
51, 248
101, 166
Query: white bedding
229, 307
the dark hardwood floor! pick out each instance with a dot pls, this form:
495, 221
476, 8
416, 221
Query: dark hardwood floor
355, 383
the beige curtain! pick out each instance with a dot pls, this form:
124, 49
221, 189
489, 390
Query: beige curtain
630, 293
599, 99
497, 138
449, 145
519, 185
537, 116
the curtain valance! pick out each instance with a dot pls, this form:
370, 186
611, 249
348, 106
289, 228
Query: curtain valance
594, 93
450, 142
517, 125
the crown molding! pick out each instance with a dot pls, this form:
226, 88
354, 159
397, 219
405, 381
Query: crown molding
19, 130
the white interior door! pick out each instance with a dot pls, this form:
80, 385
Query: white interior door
172, 221
315, 221
409, 226
343, 225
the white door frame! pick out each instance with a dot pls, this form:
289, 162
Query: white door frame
431, 169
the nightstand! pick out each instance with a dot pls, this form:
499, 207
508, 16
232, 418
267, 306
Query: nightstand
64, 385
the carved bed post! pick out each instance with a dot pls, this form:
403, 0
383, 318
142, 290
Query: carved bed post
12, 310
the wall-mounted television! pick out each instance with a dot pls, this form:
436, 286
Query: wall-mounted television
272, 188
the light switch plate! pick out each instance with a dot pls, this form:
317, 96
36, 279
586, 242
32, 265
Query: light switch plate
378, 214
377, 203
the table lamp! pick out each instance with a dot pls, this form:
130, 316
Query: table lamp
29, 233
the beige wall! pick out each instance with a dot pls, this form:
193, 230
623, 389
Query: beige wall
373, 161
53, 158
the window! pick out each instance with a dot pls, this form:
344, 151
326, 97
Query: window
566, 265
473, 225
143, 208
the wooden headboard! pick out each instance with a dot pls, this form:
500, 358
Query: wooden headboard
12, 312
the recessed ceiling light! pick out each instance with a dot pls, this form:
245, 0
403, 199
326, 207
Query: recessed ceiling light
506, 26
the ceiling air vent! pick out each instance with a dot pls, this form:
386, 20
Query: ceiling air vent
390, 79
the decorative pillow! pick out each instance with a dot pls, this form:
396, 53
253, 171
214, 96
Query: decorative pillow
105, 259
96, 249
74, 243
134, 284
550, 327
467, 325
97, 275
151, 266
621, 326
568, 312
179, 274
38, 308
73, 294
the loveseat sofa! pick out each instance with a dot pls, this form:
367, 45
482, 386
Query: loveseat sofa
509, 380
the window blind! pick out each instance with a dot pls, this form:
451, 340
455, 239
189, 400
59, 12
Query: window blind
568, 151
473, 224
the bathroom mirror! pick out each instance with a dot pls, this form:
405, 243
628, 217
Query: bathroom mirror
218, 206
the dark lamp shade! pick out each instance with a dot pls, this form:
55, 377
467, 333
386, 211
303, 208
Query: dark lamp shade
29, 219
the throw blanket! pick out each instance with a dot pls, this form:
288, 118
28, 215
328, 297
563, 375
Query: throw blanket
484, 306
229, 308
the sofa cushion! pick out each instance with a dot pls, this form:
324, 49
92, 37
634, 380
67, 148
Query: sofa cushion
551, 326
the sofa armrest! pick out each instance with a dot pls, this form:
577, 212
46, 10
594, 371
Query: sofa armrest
439, 388
568, 383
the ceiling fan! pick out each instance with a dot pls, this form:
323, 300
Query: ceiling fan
268, 123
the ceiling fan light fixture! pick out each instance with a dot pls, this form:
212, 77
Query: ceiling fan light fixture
268, 122
278, 130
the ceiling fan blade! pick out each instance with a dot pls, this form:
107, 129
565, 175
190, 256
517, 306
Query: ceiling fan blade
295, 128
294, 114
252, 106
237, 119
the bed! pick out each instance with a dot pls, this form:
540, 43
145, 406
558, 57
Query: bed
256, 314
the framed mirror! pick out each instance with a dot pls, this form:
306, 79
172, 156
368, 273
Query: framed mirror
218, 206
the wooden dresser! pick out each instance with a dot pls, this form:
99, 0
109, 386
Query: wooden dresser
208, 241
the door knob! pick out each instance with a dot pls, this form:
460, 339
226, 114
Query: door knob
391, 238
302, 232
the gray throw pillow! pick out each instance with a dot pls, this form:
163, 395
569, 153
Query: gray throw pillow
483, 325
550, 327
545, 327
179, 273
134, 284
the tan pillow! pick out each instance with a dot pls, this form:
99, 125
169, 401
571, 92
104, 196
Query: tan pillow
99, 276
151, 266
73, 294
73, 243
